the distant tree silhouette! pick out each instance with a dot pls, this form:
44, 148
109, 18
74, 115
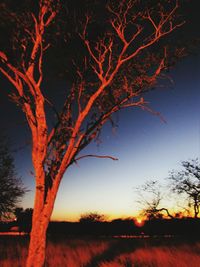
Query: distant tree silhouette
150, 197
24, 219
187, 183
11, 187
92, 217
18, 211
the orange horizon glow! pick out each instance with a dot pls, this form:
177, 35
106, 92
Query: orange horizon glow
70, 216
139, 222
74, 217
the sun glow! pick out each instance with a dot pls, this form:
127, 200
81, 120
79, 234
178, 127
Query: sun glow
139, 222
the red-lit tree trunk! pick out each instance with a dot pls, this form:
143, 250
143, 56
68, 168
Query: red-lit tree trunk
36, 252
41, 217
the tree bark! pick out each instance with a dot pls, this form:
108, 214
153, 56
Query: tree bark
43, 209
37, 246
196, 210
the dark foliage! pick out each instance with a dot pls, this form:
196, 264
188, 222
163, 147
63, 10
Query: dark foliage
92, 217
24, 219
185, 227
11, 187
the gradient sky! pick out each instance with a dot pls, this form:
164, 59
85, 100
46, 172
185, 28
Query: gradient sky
146, 147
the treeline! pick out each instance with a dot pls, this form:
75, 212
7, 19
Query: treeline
189, 227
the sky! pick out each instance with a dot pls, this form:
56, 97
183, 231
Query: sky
146, 148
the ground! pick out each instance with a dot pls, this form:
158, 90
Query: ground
105, 252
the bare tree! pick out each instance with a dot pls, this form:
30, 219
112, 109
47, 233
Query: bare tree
150, 197
11, 187
118, 66
187, 184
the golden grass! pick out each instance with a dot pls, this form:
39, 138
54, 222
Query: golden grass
103, 253
183, 256
76, 253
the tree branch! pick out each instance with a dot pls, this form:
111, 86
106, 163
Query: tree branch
95, 156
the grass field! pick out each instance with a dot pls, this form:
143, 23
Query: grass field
105, 252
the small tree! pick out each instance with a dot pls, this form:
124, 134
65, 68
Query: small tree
120, 60
11, 187
92, 217
150, 198
187, 184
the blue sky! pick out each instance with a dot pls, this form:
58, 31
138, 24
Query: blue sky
146, 148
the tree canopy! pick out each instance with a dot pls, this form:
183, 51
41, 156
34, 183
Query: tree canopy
92, 217
186, 183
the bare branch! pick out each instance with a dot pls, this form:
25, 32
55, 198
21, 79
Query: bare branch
95, 156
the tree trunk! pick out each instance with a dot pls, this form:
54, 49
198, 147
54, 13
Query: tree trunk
40, 221
37, 246
196, 210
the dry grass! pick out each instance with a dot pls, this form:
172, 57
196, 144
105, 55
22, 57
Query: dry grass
76, 253
103, 253
183, 256
13, 251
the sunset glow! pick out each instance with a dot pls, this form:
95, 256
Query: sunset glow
139, 222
